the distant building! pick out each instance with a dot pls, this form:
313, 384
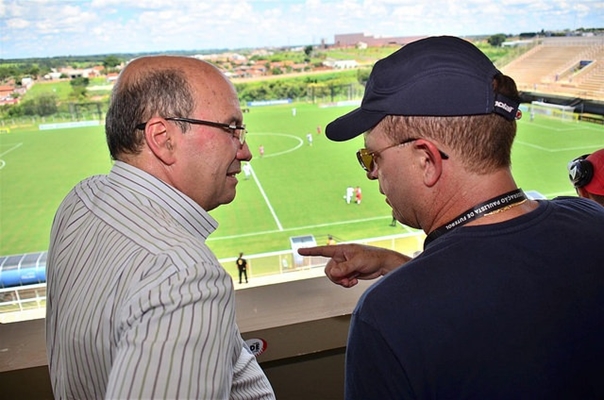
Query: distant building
27, 82
80, 73
365, 40
112, 77
518, 43
54, 75
6, 95
6, 91
341, 64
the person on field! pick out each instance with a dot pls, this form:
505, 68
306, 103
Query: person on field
358, 195
349, 194
505, 301
242, 267
247, 170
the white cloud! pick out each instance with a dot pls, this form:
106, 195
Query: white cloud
17, 23
59, 27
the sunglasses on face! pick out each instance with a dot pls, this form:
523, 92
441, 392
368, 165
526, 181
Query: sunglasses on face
367, 158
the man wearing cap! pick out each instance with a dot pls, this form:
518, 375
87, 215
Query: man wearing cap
506, 300
586, 173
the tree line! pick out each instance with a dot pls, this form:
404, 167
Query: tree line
329, 86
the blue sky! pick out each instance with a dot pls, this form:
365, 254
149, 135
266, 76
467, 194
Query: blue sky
46, 28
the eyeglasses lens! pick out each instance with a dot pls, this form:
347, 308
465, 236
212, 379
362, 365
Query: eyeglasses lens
242, 135
365, 159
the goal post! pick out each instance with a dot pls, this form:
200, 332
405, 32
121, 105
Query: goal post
564, 113
4, 130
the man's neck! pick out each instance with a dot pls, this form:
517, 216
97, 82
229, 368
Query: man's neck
473, 190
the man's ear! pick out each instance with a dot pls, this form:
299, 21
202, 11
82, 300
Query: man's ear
160, 140
431, 161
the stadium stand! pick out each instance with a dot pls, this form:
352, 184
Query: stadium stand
572, 66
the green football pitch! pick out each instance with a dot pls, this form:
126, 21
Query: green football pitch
295, 189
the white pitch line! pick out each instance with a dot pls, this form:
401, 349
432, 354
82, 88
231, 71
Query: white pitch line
300, 143
11, 149
268, 203
351, 221
308, 227
2, 162
555, 150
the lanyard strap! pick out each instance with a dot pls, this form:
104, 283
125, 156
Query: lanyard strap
488, 207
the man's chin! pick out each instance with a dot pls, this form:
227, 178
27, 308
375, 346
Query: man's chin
221, 202
227, 199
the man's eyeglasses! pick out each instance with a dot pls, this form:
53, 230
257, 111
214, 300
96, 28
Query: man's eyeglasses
238, 131
367, 158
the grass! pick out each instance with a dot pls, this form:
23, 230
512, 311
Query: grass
298, 188
40, 167
63, 89
366, 56
303, 186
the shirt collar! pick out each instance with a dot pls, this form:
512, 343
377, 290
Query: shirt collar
182, 208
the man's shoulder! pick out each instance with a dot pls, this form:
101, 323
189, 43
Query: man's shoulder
86, 187
579, 204
573, 200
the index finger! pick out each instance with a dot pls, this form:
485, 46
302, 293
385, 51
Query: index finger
325, 251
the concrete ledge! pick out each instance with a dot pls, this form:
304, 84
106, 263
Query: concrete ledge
302, 317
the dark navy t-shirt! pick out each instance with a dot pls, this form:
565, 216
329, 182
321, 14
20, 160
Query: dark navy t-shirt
513, 310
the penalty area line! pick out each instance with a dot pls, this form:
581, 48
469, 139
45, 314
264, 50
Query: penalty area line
308, 227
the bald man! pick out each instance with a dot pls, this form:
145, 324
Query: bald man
137, 304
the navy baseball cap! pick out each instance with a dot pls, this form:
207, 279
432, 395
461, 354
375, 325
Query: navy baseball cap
437, 76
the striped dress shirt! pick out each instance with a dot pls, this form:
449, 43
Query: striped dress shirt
137, 304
